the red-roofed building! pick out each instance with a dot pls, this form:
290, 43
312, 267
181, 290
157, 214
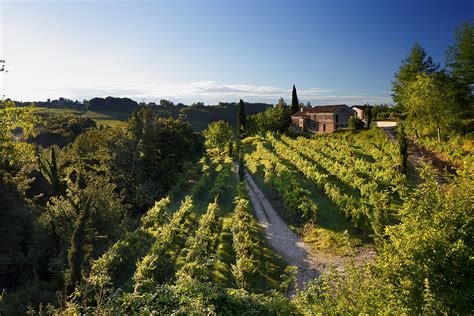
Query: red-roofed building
322, 119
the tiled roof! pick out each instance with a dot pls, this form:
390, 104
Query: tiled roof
299, 114
360, 107
326, 108
319, 109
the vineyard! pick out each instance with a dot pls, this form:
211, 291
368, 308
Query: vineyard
207, 233
156, 218
322, 177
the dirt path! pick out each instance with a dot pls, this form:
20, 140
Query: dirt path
289, 245
420, 157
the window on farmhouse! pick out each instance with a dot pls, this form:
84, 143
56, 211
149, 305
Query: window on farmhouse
337, 119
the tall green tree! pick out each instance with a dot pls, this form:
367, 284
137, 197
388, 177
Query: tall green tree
433, 102
460, 56
295, 105
281, 103
161, 146
276, 119
241, 118
355, 123
218, 135
417, 62
368, 114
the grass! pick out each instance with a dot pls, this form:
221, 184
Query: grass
104, 118
57, 111
331, 233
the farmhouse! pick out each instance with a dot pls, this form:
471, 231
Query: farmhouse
322, 119
360, 111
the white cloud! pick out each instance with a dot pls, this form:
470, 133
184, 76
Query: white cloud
209, 92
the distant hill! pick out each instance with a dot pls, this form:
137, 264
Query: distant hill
198, 114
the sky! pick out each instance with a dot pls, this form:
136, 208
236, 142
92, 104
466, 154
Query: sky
339, 51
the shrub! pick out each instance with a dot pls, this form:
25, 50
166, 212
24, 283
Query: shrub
355, 123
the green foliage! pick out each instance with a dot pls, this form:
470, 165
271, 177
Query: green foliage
433, 102
383, 111
275, 119
355, 123
83, 222
115, 268
354, 291
460, 56
403, 148
49, 169
59, 128
199, 254
433, 245
156, 216
77, 250
220, 182
288, 279
363, 190
20, 120
218, 135
368, 113
188, 297
144, 162
245, 266
454, 148
16, 228
297, 200
416, 63
241, 169
158, 265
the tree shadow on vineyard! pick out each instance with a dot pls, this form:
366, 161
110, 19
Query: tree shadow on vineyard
329, 216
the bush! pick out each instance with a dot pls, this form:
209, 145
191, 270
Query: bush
355, 123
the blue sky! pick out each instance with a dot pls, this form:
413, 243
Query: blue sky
333, 51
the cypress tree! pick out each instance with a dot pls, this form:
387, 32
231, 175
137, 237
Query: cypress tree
241, 168
368, 114
295, 105
403, 149
241, 118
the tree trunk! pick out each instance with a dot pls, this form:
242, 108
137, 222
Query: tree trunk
76, 251
439, 132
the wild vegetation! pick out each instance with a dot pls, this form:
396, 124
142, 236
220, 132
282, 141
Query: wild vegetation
150, 216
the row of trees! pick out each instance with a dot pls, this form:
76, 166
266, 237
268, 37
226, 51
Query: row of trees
220, 137
437, 101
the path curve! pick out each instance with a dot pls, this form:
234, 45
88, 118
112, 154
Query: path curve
419, 158
310, 262
280, 237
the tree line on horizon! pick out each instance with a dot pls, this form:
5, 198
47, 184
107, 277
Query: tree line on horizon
63, 208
